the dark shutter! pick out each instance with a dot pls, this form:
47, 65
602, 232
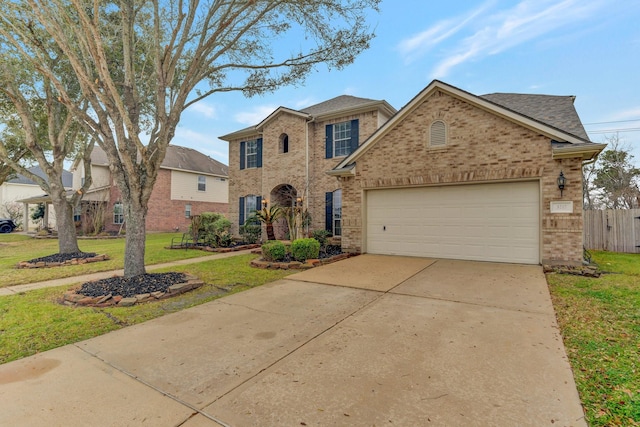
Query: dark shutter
241, 211
259, 155
243, 147
329, 142
328, 210
258, 203
354, 136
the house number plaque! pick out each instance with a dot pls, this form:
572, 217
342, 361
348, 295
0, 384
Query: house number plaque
562, 207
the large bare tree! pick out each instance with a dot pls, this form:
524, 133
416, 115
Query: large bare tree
141, 63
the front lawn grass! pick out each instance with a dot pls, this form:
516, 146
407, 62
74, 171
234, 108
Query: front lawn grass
600, 323
15, 248
34, 321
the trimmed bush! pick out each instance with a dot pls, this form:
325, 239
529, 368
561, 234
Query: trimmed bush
274, 250
304, 249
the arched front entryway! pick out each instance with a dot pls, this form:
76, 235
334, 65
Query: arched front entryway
285, 196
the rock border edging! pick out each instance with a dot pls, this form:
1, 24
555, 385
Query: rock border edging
297, 265
72, 298
73, 261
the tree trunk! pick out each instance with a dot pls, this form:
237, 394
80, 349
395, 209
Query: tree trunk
67, 237
135, 224
270, 234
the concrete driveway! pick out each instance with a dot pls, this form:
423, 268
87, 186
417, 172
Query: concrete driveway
369, 341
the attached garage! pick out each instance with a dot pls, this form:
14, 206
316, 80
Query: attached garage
485, 222
496, 177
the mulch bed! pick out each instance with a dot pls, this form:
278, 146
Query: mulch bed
123, 292
58, 260
330, 254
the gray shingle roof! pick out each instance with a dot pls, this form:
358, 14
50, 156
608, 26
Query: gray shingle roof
67, 177
177, 157
338, 103
556, 111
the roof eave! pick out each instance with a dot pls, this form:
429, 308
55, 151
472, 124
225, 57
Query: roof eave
586, 151
244, 133
384, 106
173, 168
342, 172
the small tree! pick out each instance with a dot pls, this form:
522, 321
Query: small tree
616, 178
14, 212
267, 216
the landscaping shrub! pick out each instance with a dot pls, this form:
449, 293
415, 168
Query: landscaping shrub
274, 250
304, 249
321, 236
251, 232
214, 229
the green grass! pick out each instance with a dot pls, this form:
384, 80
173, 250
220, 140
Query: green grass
34, 321
15, 248
600, 323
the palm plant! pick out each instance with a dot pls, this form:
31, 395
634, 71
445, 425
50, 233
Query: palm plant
269, 215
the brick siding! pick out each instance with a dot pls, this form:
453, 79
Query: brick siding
482, 147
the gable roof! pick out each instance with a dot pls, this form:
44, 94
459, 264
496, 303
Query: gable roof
561, 123
334, 107
67, 177
557, 111
178, 158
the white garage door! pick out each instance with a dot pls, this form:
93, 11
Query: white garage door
486, 222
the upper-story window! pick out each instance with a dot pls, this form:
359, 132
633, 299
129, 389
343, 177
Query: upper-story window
251, 154
341, 139
438, 134
284, 143
202, 183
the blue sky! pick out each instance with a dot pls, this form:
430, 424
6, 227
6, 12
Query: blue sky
590, 49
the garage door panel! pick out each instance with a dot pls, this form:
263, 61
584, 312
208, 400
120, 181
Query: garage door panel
493, 222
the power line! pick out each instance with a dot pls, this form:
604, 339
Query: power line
614, 130
615, 121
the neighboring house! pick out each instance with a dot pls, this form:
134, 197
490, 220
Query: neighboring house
283, 159
455, 175
188, 183
21, 191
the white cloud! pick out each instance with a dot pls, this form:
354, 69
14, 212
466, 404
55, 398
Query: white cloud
204, 109
416, 46
205, 143
493, 33
255, 115
629, 114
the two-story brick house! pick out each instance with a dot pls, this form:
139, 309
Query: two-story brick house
283, 159
188, 184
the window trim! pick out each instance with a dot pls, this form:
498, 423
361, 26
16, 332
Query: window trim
284, 144
203, 183
336, 217
345, 141
118, 216
187, 210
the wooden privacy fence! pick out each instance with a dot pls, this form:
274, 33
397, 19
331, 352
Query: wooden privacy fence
615, 230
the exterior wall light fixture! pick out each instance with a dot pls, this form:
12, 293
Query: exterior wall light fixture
561, 182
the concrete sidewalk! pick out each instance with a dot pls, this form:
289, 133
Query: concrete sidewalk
428, 342
12, 290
